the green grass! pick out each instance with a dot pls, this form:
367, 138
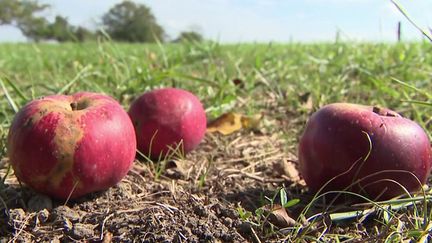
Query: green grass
397, 76
354, 72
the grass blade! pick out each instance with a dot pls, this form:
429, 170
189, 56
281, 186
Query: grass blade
420, 91
74, 80
201, 80
8, 97
16, 89
405, 13
418, 102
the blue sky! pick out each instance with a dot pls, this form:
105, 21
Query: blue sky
260, 20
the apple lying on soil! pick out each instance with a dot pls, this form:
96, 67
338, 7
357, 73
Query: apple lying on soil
167, 118
364, 149
71, 145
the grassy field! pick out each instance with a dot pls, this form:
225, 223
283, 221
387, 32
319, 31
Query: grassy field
284, 82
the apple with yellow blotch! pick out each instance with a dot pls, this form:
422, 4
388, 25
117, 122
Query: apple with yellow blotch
71, 145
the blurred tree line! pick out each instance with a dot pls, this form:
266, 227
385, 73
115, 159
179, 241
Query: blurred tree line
126, 21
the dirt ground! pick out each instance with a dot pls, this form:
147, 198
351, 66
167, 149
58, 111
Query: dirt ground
179, 206
195, 199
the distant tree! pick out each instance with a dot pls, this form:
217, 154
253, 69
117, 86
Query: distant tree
131, 22
191, 36
23, 15
82, 34
36, 29
61, 30
13, 12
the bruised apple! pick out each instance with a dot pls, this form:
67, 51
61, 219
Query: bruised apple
71, 145
364, 149
167, 118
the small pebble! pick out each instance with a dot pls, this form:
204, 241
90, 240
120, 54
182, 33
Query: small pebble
227, 222
43, 215
245, 228
64, 212
82, 231
67, 225
200, 211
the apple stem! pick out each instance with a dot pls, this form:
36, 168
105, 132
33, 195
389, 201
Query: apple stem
384, 112
376, 110
74, 105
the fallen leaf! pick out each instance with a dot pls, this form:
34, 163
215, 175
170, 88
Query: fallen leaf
226, 123
231, 122
287, 169
251, 122
279, 217
291, 171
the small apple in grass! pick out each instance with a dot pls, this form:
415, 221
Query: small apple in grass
364, 149
71, 145
166, 118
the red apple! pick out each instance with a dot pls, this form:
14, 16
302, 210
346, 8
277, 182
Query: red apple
336, 139
61, 145
167, 118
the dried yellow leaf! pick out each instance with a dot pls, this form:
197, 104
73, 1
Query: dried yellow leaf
226, 123
251, 122
231, 122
